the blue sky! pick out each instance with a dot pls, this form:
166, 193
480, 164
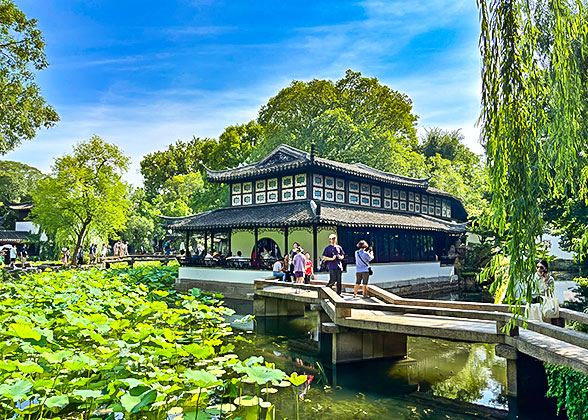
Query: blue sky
143, 74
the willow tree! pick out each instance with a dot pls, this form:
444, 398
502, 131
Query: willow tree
530, 120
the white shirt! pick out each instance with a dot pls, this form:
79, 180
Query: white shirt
277, 266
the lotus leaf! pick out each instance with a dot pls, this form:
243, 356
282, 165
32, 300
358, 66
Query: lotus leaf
58, 401
269, 390
133, 404
247, 401
132, 382
17, 391
30, 367
218, 408
296, 379
262, 374
8, 365
23, 331
202, 378
87, 393
199, 351
253, 360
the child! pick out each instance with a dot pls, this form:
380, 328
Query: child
308, 271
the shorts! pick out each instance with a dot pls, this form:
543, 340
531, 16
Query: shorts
362, 278
299, 274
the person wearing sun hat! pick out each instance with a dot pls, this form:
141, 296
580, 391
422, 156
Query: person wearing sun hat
334, 254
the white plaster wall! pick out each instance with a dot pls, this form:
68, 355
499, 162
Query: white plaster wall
398, 272
222, 274
383, 273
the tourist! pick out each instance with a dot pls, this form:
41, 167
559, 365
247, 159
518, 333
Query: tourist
286, 269
80, 255
182, 248
265, 254
363, 256
12, 255
299, 266
308, 271
103, 252
115, 248
125, 249
544, 283
6, 255
334, 254
167, 248
91, 253
24, 253
278, 270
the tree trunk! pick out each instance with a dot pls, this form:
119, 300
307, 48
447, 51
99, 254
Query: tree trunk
80, 240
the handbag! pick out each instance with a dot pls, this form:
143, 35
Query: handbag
533, 311
370, 271
550, 306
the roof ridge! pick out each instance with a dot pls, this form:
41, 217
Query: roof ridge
408, 178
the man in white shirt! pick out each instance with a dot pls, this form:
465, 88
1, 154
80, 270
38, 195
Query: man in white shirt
277, 270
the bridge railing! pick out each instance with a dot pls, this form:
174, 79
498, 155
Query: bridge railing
338, 309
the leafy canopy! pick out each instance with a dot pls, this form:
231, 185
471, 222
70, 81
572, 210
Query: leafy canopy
354, 116
84, 193
22, 108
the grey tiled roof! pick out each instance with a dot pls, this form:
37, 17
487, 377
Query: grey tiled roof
305, 213
286, 157
13, 236
353, 216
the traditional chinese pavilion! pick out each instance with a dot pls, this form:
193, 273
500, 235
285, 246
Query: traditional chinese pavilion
294, 196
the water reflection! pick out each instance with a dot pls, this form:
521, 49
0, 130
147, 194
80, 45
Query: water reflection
462, 372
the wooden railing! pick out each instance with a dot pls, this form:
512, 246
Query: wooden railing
339, 309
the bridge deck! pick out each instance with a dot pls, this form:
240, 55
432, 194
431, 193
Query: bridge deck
461, 321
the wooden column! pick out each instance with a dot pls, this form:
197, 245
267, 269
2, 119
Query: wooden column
188, 243
229, 241
314, 249
286, 249
206, 241
255, 249
212, 240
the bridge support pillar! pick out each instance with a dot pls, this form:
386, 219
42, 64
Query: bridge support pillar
354, 346
264, 306
510, 354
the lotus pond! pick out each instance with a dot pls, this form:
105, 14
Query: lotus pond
122, 344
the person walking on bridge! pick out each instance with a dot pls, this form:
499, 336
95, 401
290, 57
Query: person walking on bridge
363, 256
334, 254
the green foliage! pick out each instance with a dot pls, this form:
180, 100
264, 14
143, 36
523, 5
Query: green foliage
16, 182
580, 303
354, 116
571, 390
83, 194
22, 110
531, 121
182, 158
123, 340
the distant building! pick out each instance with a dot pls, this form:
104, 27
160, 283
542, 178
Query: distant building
294, 196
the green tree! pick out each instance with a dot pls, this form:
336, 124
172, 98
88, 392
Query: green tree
22, 108
455, 168
531, 119
84, 193
234, 147
350, 118
17, 180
